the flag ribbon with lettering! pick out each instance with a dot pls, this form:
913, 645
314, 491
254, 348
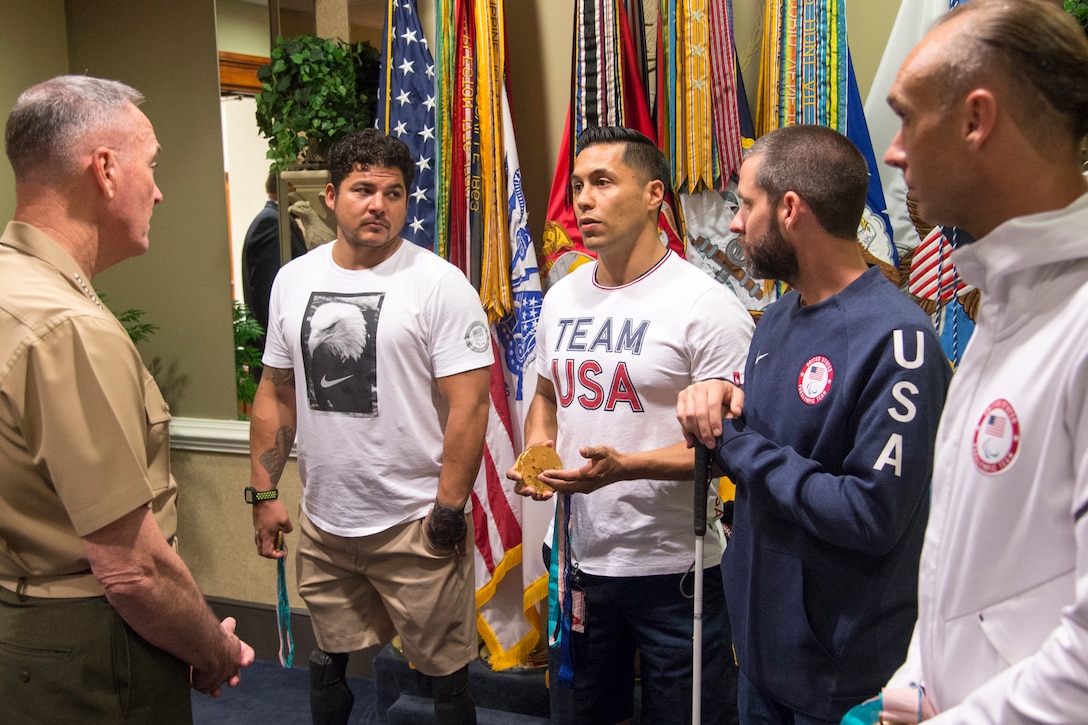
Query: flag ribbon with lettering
486, 235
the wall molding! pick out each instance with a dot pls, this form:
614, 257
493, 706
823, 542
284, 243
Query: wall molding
209, 435
238, 72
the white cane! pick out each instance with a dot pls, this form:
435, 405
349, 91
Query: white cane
702, 481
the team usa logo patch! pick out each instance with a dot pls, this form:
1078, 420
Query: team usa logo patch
997, 438
814, 382
477, 338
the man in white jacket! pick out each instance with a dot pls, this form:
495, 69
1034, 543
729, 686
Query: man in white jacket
994, 110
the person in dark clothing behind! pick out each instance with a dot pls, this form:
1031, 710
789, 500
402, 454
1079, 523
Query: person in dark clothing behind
261, 258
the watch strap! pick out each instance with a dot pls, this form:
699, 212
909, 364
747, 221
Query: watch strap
253, 496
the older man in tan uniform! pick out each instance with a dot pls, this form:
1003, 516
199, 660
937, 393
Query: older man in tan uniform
100, 619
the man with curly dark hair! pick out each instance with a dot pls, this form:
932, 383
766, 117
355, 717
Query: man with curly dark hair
391, 349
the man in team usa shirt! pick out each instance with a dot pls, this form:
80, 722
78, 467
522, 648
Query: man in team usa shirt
617, 340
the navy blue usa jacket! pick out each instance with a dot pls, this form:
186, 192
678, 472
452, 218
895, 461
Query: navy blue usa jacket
832, 458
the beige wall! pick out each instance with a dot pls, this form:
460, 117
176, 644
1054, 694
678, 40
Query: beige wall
242, 27
33, 48
215, 527
168, 49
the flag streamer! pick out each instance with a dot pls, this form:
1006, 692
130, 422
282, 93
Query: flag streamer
477, 220
807, 77
699, 92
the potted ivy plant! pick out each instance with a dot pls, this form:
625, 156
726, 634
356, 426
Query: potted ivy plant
313, 91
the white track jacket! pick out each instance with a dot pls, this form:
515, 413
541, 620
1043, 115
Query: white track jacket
1002, 633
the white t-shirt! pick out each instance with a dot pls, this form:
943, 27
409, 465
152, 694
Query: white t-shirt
618, 357
367, 347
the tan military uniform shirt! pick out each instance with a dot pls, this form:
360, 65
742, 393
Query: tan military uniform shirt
84, 430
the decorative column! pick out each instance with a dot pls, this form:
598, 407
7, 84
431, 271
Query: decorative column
332, 19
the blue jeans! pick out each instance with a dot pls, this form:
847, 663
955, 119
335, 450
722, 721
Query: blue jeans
654, 616
758, 709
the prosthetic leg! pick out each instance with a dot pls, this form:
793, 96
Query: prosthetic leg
330, 697
453, 704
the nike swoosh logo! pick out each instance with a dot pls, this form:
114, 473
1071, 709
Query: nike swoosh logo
326, 383
761, 356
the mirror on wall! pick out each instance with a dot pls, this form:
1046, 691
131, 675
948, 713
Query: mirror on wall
246, 30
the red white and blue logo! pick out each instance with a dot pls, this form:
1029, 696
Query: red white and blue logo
997, 437
814, 382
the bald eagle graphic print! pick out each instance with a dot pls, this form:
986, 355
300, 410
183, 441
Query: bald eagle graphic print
339, 333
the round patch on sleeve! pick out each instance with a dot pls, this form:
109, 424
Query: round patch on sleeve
477, 337
997, 437
814, 382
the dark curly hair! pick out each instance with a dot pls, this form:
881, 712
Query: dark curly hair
366, 148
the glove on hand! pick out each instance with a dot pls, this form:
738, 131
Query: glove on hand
446, 527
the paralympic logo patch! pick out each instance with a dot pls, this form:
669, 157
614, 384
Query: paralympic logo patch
477, 338
814, 382
997, 437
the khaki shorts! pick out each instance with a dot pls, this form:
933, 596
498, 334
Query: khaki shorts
359, 590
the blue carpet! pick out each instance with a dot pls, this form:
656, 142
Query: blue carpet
269, 693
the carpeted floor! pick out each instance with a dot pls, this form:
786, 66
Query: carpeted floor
270, 694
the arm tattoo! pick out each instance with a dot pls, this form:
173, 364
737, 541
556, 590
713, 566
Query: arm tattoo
281, 377
274, 459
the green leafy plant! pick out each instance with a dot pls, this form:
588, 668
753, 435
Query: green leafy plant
247, 355
132, 320
314, 91
1079, 10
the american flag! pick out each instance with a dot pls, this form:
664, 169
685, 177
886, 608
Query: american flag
817, 373
406, 109
995, 426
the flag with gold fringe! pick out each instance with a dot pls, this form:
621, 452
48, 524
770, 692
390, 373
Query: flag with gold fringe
468, 207
508, 618
484, 232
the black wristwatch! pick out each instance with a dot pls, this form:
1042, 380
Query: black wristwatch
253, 496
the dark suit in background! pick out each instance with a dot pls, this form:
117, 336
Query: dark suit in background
261, 262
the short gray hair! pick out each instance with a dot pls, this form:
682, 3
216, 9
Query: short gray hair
49, 119
1037, 47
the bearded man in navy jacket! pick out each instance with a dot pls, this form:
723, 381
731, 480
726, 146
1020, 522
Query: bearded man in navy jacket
830, 443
